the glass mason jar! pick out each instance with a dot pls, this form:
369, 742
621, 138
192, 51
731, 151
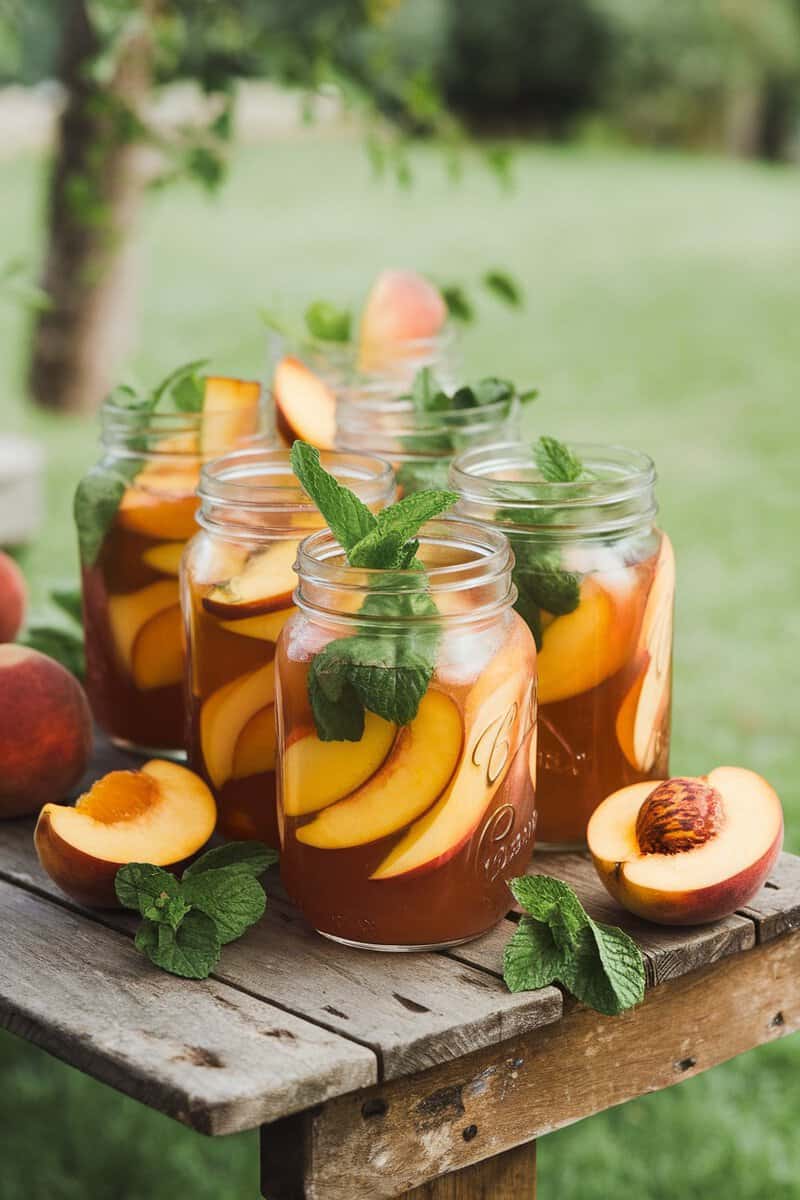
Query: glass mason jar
135, 511
420, 445
238, 579
405, 838
596, 582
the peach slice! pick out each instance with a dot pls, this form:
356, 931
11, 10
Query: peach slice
225, 714
161, 814
165, 557
230, 413
265, 628
265, 584
642, 714
161, 506
492, 718
421, 763
317, 773
256, 745
305, 407
687, 850
129, 613
157, 654
401, 308
583, 648
213, 561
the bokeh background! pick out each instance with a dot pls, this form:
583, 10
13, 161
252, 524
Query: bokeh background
633, 163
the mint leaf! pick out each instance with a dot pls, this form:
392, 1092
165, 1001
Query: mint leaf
327, 322
386, 675
191, 950
382, 547
504, 287
459, 305
232, 898
556, 461
97, 499
348, 518
426, 395
338, 713
250, 858
64, 645
183, 386
547, 585
151, 890
417, 476
558, 942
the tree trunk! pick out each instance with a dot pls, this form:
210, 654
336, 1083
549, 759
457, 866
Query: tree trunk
95, 190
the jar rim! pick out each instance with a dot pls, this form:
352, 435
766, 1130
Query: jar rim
121, 424
228, 480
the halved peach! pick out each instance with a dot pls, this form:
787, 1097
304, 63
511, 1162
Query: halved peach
401, 308
130, 612
583, 648
157, 655
492, 718
265, 584
256, 745
161, 814
225, 714
317, 773
687, 850
305, 407
165, 557
642, 714
265, 628
230, 413
419, 767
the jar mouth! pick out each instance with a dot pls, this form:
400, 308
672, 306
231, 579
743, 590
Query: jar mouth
369, 408
459, 557
174, 434
501, 482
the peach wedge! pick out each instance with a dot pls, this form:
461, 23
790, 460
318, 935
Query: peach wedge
162, 814
266, 583
687, 850
317, 773
305, 407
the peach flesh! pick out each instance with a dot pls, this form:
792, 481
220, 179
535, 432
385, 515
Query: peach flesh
734, 822
13, 598
45, 730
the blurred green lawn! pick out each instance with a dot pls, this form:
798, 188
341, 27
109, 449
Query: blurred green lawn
662, 312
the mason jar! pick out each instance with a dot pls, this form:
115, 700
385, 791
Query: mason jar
135, 511
420, 445
406, 795
596, 580
238, 578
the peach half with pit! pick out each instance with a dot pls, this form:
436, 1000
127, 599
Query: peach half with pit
305, 407
162, 814
45, 730
687, 850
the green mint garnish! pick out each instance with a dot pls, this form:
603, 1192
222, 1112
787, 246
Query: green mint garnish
428, 397
558, 942
186, 923
556, 461
386, 672
504, 287
500, 284
328, 323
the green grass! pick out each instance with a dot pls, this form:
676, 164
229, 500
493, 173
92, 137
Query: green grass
662, 312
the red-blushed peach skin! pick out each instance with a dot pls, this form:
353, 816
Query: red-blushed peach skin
45, 730
305, 407
265, 585
13, 598
694, 885
163, 814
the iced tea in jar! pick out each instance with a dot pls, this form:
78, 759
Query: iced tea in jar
407, 737
595, 580
135, 511
238, 580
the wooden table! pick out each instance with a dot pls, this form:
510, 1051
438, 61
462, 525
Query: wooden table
376, 1075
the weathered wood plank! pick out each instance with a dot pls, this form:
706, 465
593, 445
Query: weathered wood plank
413, 1010
201, 1052
776, 908
668, 952
509, 1176
397, 1136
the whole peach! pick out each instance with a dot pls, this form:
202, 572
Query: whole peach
13, 598
45, 730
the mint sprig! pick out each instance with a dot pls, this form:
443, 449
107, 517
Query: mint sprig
557, 941
380, 669
427, 396
328, 323
555, 460
185, 923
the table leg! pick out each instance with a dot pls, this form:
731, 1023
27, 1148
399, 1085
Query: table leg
508, 1176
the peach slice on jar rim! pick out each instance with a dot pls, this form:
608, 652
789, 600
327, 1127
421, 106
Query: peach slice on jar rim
161, 814
265, 584
402, 308
420, 765
643, 711
317, 774
305, 407
230, 413
687, 850
225, 715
